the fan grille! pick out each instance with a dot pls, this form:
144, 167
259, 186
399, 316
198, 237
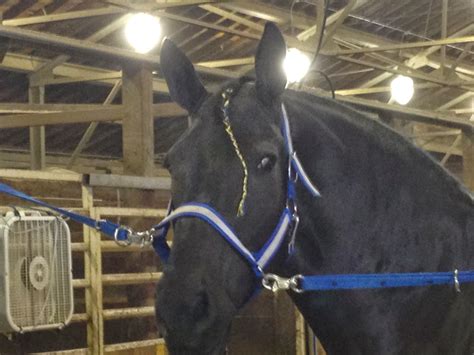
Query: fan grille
39, 268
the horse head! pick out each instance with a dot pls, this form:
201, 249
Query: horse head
233, 158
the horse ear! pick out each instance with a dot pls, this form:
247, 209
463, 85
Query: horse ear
183, 83
271, 51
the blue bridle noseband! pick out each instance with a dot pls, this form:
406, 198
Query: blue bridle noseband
287, 224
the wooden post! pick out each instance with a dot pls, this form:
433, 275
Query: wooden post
37, 134
468, 158
93, 275
137, 127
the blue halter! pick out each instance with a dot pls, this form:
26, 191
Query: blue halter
258, 261
287, 223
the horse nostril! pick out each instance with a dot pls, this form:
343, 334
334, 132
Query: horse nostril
201, 306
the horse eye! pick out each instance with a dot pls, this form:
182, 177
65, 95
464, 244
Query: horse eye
265, 164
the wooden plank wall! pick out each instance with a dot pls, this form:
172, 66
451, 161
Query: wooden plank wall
114, 287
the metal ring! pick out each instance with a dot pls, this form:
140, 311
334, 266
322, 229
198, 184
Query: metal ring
295, 283
457, 285
126, 242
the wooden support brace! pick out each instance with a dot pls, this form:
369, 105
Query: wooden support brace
137, 131
468, 158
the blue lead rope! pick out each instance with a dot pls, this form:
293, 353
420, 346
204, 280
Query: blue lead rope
373, 281
120, 233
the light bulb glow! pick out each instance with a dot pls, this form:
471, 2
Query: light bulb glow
296, 65
402, 89
143, 32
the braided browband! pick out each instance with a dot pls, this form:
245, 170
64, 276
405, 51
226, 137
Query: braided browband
226, 95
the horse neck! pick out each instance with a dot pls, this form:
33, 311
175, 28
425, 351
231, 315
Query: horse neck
375, 191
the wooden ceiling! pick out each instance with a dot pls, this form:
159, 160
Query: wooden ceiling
366, 43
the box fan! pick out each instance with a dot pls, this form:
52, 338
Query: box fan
35, 272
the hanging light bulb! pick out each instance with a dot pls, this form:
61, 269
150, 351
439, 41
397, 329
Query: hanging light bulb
296, 65
143, 32
402, 89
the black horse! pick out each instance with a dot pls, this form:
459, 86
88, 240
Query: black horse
386, 207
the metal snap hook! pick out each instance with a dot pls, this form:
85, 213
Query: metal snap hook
276, 283
457, 285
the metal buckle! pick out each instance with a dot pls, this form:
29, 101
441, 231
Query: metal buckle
457, 285
126, 242
296, 221
97, 224
292, 173
276, 283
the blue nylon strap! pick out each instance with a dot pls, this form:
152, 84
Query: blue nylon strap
373, 281
105, 227
294, 162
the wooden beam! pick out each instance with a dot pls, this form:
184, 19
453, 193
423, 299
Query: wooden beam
70, 15
468, 158
21, 107
53, 114
129, 182
335, 19
405, 113
148, 6
93, 126
98, 77
137, 131
374, 90
75, 46
168, 109
38, 133
227, 62
132, 312
112, 113
400, 46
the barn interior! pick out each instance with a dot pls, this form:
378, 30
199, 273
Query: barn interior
85, 121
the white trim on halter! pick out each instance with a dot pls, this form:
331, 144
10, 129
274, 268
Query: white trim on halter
206, 213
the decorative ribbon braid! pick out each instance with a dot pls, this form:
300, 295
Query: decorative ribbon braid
228, 128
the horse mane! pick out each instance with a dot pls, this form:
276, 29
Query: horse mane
379, 133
